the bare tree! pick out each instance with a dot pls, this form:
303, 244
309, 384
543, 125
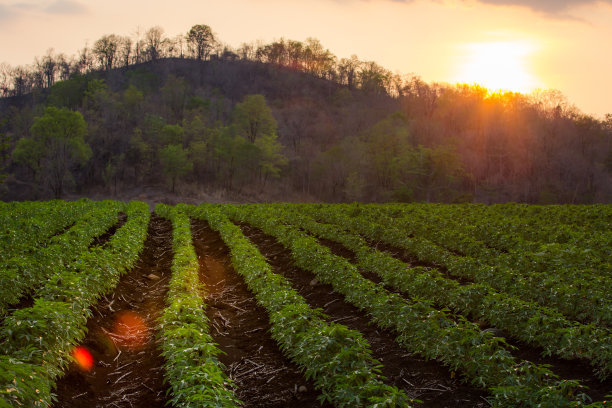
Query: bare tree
139, 47
177, 46
64, 66
45, 70
105, 49
124, 51
154, 43
22, 80
247, 51
5, 79
84, 62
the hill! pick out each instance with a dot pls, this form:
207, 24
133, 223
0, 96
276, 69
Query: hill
273, 124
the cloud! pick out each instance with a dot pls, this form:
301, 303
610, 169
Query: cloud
17, 10
25, 6
551, 7
6, 13
65, 7
555, 9
545, 6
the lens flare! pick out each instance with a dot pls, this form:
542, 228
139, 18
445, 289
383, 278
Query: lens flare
130, 330
83, 358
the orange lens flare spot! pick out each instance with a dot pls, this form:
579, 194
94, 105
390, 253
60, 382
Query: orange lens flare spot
130, 330
83, 358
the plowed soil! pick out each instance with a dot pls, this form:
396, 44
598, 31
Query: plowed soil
103, 239
428, 381
263, 375
127, 366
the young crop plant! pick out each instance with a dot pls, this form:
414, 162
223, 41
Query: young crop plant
526, 321
336, 358
45, 334
571, 299
497, 238
192, 368
26, 273
459, 344
579, 217
28, 225
548, 268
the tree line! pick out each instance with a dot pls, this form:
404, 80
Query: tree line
291, 118
200, 43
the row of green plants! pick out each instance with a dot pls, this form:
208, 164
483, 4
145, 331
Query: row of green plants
28, 225
588, 247
454, 233
526, 321
569, 298
432, 333
588, 280
24, 273
19, 221
501, 229
37, 341
567, 262
587, 217
337, 359
192, 367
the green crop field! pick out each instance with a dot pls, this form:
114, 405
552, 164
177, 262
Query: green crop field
347, 305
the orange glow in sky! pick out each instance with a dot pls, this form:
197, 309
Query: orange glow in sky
497, 66
543, 44
83, 358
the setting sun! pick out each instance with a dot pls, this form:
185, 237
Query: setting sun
498, 66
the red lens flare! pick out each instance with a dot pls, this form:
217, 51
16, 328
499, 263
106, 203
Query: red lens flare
130, 330
83, 358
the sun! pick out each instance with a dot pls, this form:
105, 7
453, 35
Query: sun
501, 65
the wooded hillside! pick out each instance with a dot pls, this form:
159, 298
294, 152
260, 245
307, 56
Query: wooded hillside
286, 120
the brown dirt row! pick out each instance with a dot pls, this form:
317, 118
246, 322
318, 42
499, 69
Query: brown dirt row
425, 380
263, 375
63, 230
406, 257
578, 369
101, 240
127, 365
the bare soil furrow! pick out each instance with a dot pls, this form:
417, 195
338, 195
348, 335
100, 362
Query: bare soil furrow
428, 381
263, 375
101, 240
127, 366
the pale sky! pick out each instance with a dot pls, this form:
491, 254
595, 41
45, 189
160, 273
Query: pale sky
517, 44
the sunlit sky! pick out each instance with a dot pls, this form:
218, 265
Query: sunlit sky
514, 44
